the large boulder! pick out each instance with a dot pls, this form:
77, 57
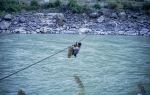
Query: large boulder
22, 19
20, 30
4, 25
101, 19
84, 30
60, 19
94, 15
8, 17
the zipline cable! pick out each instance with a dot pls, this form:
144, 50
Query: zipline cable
38, 62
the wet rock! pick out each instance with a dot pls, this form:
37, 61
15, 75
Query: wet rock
131, 33
4, 25
44, 30
8, 17
144, 31
94, 15
20, 30
22, 19
121, 32
69, 32
101, 19
84, 30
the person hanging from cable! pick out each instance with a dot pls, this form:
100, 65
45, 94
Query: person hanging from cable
74, 49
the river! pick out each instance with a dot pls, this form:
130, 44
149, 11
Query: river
106, 65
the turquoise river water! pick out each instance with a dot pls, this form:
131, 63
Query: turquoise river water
106, 65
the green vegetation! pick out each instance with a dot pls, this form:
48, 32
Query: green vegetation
115, 4
55, 4
73, 5
9, 5
33, 5
146, 6
134, 5
76, 8
15, 6
97, 6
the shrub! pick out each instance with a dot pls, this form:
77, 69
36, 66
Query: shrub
97, 6
132, 5
9, 5
115, 4
86, 9
111, 4
55, 4
34, 5
75, 7
146, 6
2, 13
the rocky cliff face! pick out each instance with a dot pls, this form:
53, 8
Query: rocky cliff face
104, 22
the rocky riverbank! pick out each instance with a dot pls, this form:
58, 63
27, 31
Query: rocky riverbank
103, 22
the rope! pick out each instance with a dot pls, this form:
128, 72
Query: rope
37, 62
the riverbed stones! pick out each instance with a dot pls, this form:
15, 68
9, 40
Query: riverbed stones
69, 23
